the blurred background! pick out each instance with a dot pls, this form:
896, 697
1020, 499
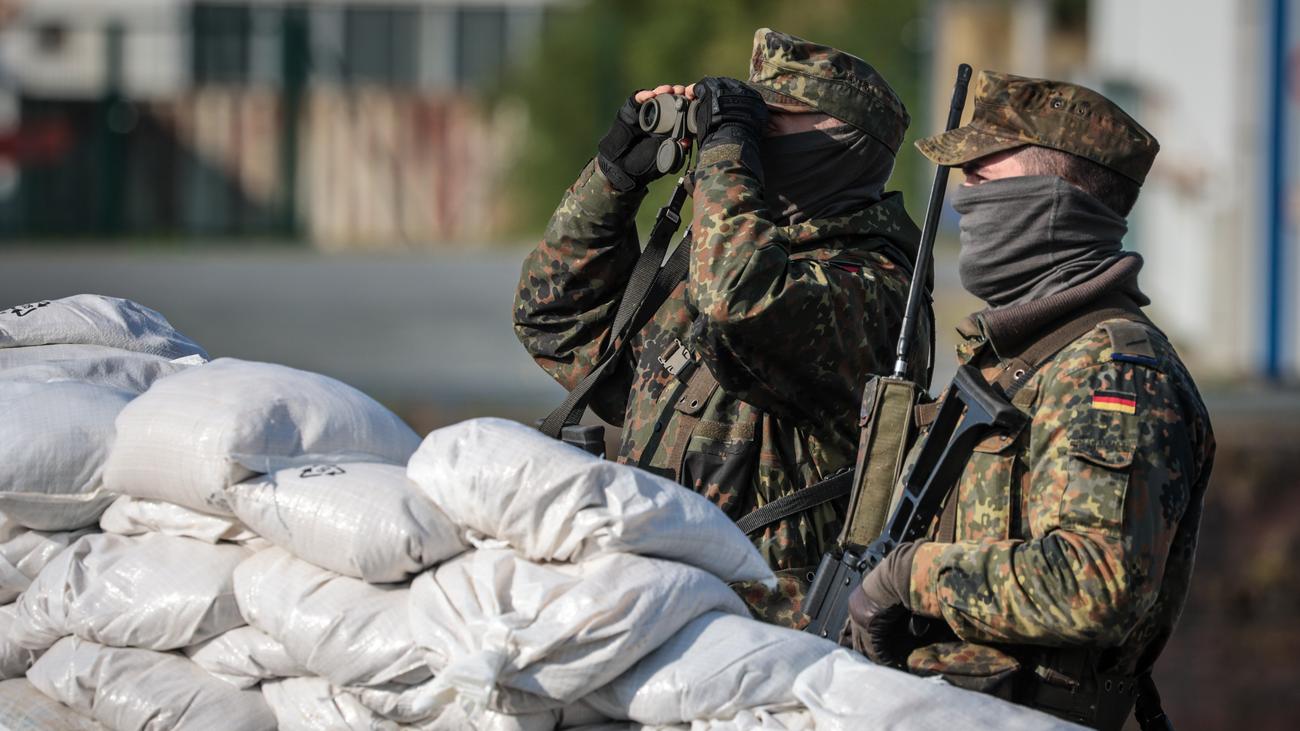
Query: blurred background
349, 186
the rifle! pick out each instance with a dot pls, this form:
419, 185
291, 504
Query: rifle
971, 409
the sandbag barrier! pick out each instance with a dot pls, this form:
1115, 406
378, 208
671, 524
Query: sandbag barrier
188, 544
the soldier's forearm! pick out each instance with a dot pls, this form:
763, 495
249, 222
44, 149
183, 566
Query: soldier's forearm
1062, 588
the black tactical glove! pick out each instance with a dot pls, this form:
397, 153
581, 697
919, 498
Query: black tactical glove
626, 154
880, 611
729, 112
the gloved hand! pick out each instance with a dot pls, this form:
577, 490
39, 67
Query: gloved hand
626, 154
880, 610
729, 112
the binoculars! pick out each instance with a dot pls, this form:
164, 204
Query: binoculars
672, 115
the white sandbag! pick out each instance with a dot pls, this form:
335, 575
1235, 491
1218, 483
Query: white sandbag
554, 502
196, 433
14, 659
845, 692
128, 689
54, 439
761, 720
713, 668
99, 365
157, 592
244, 657
312, 704
24, 708
92, 319
24, 552
130, 516
497, 623
364, 520
340, 628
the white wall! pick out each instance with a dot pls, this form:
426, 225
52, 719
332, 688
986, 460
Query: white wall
155, 54
1198, 67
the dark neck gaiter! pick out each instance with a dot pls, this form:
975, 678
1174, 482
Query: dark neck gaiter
1029, 237
822, 173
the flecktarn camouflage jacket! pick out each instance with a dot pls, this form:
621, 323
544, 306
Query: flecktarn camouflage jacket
790, 321
1079, 531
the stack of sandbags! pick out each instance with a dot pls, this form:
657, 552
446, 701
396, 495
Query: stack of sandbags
67, 369
157, 589
588, 567
549, 603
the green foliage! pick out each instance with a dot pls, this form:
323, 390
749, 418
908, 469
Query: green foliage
594, 55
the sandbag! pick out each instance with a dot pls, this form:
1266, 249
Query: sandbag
244, 657
54, 439
553, 502
845, 692
99, 365
518, 636
156, 592
194, 434
92, 319
364, 520
713, 668
130, 516
24, 552
24, 708
14, 659
760, 720
337, 627
312, 704
128, 689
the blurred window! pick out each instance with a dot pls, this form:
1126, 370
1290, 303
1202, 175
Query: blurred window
482, 46
51, 37
380, 45
221, 42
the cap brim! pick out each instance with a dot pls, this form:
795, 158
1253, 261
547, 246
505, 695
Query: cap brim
962, 145
781, 101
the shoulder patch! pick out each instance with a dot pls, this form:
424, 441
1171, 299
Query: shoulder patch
1130, 342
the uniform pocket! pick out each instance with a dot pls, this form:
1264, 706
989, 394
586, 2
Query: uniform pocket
1102, 446
719, 463
966, 665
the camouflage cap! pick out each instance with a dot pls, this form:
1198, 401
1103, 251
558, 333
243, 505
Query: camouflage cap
1013, 111
790, 72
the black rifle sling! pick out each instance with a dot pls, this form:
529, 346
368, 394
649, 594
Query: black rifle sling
648, 287
832, 488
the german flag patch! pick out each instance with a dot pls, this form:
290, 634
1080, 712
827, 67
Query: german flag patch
1125, 403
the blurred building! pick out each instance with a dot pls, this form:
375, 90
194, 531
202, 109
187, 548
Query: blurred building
1215, 81
352, 122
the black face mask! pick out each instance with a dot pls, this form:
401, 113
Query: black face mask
822, 173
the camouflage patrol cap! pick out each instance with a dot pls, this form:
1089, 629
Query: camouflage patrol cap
790, 72
1012, 111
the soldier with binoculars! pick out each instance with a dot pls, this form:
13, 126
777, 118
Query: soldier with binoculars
744, 385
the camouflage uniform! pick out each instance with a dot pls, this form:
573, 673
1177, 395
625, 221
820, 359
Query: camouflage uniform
790, 321
1074, 538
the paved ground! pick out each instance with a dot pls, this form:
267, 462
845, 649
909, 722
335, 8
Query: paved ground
412, 328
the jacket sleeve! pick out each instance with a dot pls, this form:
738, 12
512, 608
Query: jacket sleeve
572, 282
794, 336
1109, 478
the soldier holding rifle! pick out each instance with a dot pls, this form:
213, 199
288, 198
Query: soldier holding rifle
1061, 559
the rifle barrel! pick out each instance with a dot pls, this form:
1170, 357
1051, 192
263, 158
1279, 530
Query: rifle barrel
920, 272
